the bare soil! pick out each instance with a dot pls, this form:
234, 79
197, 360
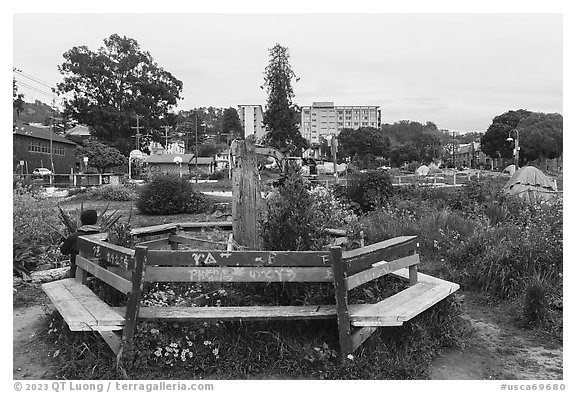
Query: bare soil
495, 348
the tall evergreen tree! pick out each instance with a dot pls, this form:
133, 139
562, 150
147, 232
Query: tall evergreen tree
231, 126
281, 116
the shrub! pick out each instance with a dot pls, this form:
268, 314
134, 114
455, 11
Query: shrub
291, 222
368, 190
112, 193
169, 194
218, 175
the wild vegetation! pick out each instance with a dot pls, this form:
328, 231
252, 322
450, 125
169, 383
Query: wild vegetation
472, 235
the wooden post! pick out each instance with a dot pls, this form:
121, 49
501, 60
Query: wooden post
72, 265
413, 269
341, 294
246, 197
133, 305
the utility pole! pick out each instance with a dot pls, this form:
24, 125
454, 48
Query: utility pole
166, 137
196, 147
137, 128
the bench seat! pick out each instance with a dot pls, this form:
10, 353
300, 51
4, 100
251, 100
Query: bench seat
81, 308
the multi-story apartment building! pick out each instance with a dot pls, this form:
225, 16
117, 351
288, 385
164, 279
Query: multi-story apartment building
252, 120
323, 119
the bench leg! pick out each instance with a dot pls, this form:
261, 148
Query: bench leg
341, 292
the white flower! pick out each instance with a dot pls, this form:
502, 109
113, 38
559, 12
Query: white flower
350, 356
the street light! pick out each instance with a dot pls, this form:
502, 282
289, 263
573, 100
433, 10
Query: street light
516, 145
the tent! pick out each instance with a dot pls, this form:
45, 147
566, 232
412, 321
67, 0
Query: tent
511, 169
422, 170
531, 184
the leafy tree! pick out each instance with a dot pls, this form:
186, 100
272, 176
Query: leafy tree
114, 85
17, 98
281, 116
100, 155
231, 126
540, 136
493, 143
364, 145
427, 139
407, 152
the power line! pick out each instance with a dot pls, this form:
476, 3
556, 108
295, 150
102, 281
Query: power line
32, 78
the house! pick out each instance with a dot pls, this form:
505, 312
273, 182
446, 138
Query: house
35, 147
469, 155
78, 133
167, 163
172, 148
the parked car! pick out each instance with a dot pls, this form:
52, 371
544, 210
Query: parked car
41, 172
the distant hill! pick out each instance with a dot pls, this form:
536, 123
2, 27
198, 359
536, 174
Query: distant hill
36, 112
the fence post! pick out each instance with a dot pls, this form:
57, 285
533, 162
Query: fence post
133, 305
454, 177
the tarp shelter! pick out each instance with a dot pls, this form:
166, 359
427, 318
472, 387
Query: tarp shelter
531, 184
422, 170
511, 169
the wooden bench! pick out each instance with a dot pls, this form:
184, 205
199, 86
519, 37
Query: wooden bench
127, 270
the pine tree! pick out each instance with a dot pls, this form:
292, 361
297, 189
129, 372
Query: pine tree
281, 116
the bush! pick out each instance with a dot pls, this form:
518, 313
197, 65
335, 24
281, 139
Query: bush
291, 222
218, 175
169, 194
112, 193
368, 190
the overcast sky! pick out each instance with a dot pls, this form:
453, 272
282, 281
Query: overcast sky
456, 70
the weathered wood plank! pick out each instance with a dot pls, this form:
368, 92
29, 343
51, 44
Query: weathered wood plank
111, 253
155, 243
105, 275
100, 311
196, 226
397, 309
113, 340
380, 269
405, 275
154, 229
195, 241
363, 258
359, 335
126, 274
76, 316
238, 258
238, 274
244, 313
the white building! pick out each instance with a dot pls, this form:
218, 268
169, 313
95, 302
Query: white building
252, 120
323, 119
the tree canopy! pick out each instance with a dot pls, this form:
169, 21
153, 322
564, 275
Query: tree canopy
363, 145
231, 126
100, 155
281, 116
413, 141
540, 136
493, 143
113, 85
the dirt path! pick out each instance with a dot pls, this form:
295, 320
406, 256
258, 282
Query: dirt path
32, 357
497, 349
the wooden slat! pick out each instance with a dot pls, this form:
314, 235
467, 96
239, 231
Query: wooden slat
405, 275
113, 340
195, 241
155, 243
196, 226
102, 313
154, 229
105, 275
75, 313
341, 298
113, 254
238, 274
133, 304
363, 258
237, 258
77, 317
245, 313
126, 274
397, 309
359, 335
380, 269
